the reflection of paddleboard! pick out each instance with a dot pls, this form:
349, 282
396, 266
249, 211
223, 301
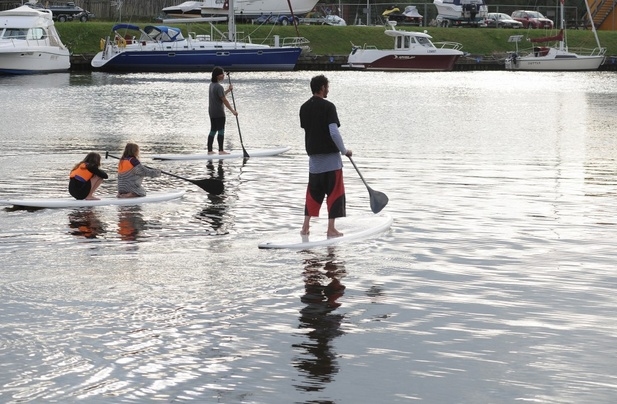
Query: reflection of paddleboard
110, 200
233, 155
353, 228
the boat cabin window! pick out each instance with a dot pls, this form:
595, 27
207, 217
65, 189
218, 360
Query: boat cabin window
425, 42
404, 42
15, 33
36, 33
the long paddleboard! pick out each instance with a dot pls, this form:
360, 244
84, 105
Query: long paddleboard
232, 155
109, 200
353, 229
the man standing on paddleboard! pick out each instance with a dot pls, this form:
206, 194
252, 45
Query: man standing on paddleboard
324, 146
216, 101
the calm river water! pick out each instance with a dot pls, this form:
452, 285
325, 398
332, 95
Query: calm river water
495, 284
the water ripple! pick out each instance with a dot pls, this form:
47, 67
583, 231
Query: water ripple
494, 284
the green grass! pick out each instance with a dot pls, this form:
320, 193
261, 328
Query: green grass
83, 38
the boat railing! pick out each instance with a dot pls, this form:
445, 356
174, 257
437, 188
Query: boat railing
448, 45
29, 41
535, 50
285, 42
199, 37
365, 47
587, 51
296, 42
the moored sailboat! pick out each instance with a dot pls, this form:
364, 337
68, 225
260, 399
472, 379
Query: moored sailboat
557, 57
162, 48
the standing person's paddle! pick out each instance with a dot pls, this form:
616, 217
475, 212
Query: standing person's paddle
379, 200
246, 155
211, 186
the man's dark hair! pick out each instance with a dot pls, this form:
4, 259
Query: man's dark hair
216, 72
317, 82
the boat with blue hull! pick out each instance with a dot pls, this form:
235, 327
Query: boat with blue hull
162, 48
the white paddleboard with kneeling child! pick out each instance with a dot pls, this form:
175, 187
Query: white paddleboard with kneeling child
57, 203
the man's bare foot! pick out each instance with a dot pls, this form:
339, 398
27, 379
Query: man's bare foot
304, 232
211, 152
223, 152
93, 198
334, 233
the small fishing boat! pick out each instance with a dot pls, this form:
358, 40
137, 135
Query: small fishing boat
29, 42
413, 51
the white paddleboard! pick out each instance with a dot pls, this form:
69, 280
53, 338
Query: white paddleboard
109, 200
353, 229
232, 155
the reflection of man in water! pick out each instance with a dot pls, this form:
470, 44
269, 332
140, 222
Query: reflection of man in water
322, 290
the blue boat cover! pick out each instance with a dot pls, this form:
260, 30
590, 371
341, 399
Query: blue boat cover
125, 26
161, 33
164, 33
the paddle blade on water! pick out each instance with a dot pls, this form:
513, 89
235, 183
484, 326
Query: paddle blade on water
212, 186
379, 200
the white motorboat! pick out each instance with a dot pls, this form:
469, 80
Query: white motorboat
255, 8
188, 9
242, 8
413, 51
29, 43
460, 12
557, 57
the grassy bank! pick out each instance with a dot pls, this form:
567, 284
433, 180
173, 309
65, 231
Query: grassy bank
83, 38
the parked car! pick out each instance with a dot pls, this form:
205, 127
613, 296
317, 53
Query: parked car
69, 12
275, 19
501, 20
532, 19
265, 19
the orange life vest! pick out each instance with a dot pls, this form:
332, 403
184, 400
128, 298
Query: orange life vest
126, 164
81, 173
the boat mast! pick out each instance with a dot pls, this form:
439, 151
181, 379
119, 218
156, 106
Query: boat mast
561, 17
231, 24
593, 26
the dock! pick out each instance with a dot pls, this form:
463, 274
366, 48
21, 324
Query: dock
81, 62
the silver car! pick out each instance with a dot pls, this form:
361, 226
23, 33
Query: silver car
501, 20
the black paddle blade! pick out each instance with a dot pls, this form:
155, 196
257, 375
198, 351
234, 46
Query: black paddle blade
379, 200
211, 186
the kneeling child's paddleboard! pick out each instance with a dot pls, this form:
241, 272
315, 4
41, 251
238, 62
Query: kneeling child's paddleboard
108, 200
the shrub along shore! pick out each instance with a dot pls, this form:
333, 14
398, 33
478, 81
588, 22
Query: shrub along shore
334, 43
